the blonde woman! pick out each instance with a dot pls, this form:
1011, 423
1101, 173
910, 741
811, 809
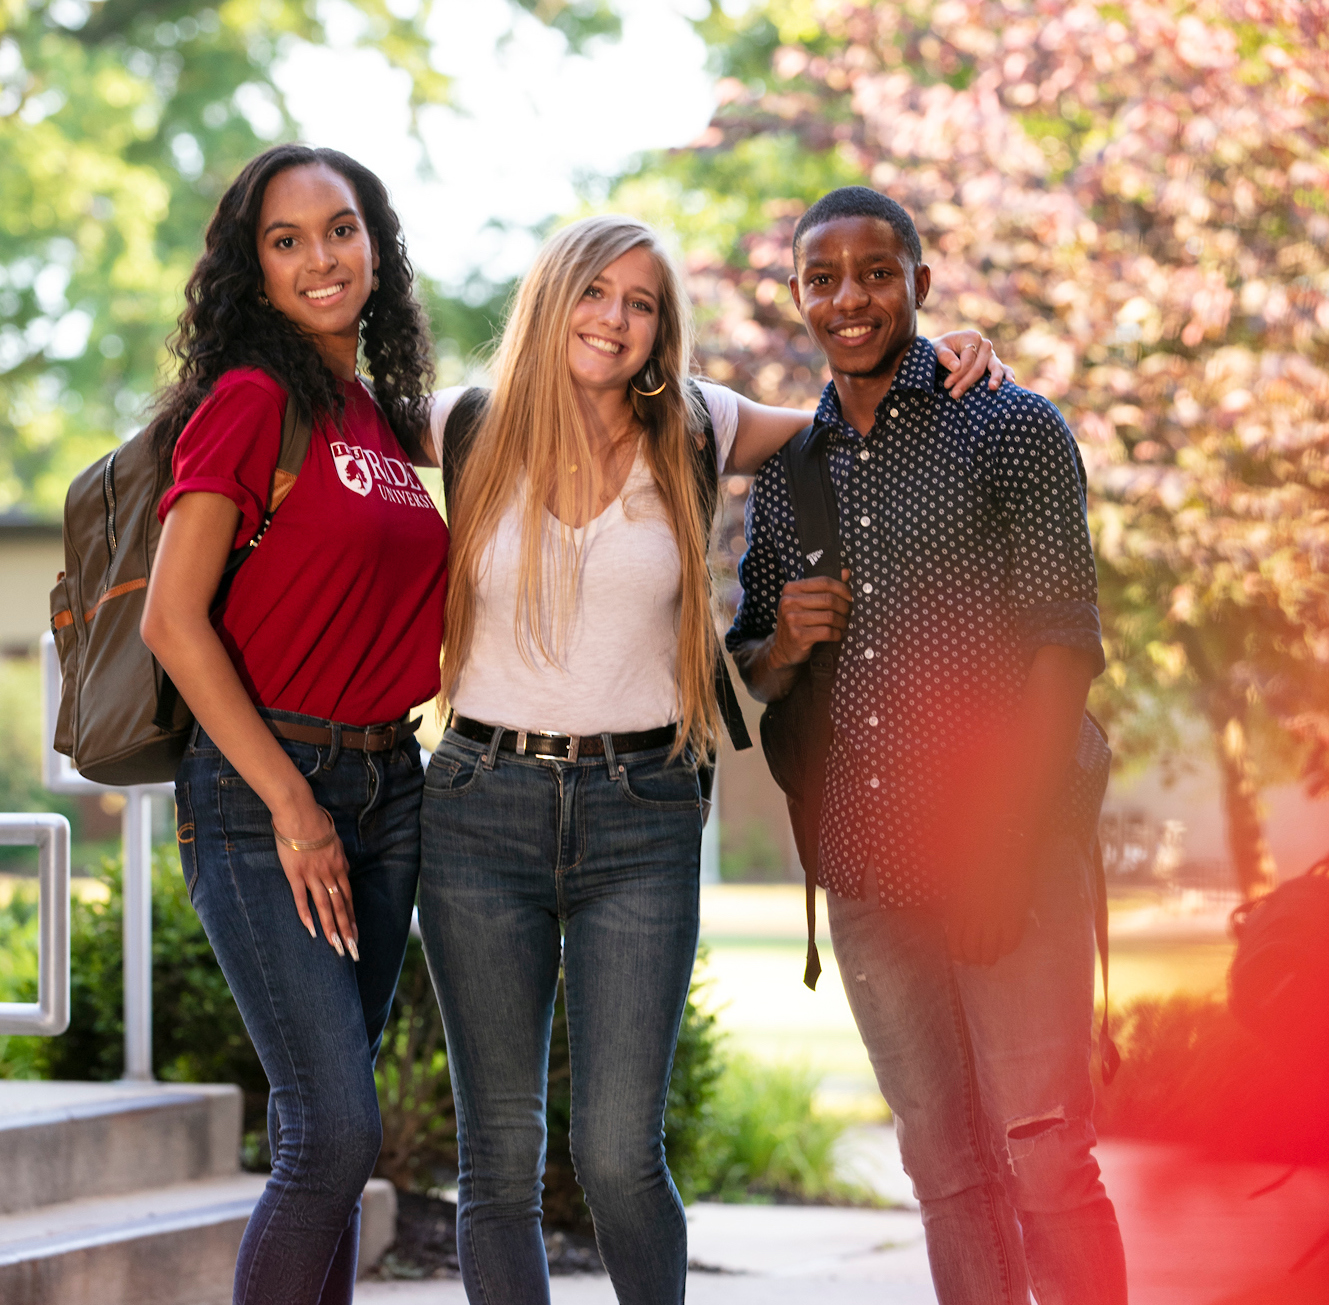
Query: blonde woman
562, 816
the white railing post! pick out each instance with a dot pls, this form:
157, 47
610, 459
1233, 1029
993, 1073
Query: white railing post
136, 822
49, 1014
136, 847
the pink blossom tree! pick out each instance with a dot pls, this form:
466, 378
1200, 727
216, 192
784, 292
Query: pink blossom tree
1133, 200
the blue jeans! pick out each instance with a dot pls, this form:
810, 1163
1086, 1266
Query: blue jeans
987, 1072
315, 1018
605, 851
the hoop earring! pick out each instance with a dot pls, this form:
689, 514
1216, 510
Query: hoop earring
648, 394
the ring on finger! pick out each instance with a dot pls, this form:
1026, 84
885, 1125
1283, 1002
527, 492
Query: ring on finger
333, 890
967, 347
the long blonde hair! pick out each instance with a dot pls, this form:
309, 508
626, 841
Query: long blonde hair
533, 427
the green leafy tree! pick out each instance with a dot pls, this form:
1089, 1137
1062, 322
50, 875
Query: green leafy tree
121, 123
1131, 198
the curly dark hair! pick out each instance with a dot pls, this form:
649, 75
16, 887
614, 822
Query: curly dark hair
226, 324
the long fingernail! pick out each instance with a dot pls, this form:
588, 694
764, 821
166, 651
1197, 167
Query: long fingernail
313, 933
353, 949
336, 945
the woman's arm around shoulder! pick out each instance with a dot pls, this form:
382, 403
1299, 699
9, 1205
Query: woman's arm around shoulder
764, 430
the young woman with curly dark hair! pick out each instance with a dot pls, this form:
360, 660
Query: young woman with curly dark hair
298, 798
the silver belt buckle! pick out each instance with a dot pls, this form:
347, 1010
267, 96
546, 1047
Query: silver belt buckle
574, 742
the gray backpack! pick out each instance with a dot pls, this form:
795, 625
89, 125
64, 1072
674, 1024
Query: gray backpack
121, 719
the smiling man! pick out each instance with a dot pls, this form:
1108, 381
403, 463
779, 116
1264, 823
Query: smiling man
963, 781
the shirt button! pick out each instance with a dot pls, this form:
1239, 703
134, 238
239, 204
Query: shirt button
868, 653
874, 782
872, 720
895, 412
864, 521
867, 589
864, 456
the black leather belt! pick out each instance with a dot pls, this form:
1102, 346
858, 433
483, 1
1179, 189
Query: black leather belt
377, 738
532, 743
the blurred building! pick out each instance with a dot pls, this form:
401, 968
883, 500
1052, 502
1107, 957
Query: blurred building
32, 553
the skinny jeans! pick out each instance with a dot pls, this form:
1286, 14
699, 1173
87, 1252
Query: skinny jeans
316, 1019
529, 863
986, 1069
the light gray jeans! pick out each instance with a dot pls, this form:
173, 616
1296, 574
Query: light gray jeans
986, 1070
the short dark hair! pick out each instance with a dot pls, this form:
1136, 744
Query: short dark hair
860, 201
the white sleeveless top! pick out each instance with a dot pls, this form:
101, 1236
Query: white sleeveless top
616, 666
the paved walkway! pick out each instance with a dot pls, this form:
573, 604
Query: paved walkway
1193, 1233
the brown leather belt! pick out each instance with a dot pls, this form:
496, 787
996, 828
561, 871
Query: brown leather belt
377, 738
532, 743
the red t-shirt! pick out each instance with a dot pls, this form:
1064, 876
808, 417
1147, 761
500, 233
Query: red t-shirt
338, 612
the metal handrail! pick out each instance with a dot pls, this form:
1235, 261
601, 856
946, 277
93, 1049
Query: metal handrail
136, 840
49, 1014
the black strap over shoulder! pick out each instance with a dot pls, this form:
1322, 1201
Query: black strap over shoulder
458, 435
706, 470
796, 729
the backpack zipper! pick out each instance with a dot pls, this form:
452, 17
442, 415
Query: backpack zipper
108, 498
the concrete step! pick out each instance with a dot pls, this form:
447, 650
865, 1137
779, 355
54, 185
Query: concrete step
172, 1246
61, 1142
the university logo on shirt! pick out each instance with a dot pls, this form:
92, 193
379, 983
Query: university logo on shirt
362, 469
353, 467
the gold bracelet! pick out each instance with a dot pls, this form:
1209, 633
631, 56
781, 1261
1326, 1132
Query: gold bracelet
307, 844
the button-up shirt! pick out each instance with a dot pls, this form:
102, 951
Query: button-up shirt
963, 525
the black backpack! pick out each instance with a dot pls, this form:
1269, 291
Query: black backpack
459, 431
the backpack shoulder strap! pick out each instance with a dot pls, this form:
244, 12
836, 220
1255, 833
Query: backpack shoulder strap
816, 511
297, 429
817, 523
705, 462
706, 473
458, 436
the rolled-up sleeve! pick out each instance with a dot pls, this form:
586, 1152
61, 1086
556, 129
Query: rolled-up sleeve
1036, 475
230, 447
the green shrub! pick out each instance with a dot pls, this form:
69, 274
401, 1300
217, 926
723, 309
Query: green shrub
18, 974
1191, 1073
768, 1140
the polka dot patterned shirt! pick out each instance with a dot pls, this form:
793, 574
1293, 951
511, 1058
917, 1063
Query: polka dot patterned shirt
963, 526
